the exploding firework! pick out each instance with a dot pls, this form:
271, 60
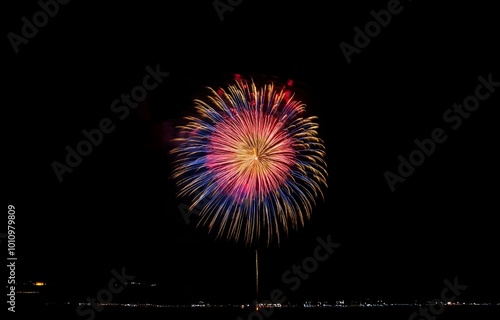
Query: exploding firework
253, 161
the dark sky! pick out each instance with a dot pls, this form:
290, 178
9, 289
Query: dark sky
118, 207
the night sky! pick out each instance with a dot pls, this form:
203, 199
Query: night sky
118, 207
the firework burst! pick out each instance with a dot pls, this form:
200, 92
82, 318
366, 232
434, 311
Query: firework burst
254, 162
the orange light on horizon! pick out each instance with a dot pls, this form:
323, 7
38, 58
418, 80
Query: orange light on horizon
39, 284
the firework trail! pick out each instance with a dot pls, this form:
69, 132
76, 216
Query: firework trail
253, 161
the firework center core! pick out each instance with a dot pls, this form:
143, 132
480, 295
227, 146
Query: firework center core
250, 154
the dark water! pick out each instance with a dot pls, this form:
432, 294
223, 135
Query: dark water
68, 312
